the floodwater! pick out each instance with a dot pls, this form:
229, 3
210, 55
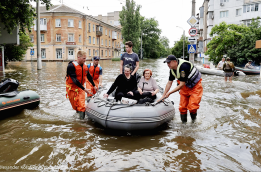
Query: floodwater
226, 136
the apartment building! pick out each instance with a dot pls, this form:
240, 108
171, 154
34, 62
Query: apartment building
65, 31
213, 12
112, 18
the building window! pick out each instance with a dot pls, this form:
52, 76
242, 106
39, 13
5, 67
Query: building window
97, 41
42, 37
101, 52
58, 23
250, 8
93, 52
58, 38
58, 53
80, 38
43, 53
106, 53
247, 22
97, 52
105, 31
102, 42
80, 24
70, 37
109, 43
70, 22
223, 14
238, 12
90, 39
32, 38
93, 28
109, 53
42, 21
93, 40
105, 42
89, 27
109, 33
89, 52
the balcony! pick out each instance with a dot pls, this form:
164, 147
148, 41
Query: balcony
98, 33
114, 35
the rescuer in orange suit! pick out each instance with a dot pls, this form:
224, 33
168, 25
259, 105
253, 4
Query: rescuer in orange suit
75, 81
95, 71
189, 84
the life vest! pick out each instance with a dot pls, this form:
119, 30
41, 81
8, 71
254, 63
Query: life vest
194, 75
81, 73
94, 71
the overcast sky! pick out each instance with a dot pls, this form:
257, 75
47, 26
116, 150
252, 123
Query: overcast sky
169, 13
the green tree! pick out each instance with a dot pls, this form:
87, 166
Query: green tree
165, 50
18, 12
177, 50
226, 42
130, 22
150, 37
16, 52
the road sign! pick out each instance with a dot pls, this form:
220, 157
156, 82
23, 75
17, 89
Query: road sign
192, 48
32, 52
193, 31
192, 21
192, 39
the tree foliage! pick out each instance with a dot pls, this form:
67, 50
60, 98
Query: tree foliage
177, 50
165, 49
16, 52
235, 41
130, 20
15, 13
150, 37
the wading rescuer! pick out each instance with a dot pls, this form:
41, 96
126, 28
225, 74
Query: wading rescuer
95, 71
189, 84
75, 80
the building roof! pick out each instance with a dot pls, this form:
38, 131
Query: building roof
60, 9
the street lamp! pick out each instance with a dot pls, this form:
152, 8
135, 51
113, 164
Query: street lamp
183, 38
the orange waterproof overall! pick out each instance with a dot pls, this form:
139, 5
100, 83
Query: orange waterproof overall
95, 73
190, 98
77, 95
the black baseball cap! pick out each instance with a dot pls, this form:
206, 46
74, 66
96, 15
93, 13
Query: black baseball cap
169, 58
96, 58
249, 60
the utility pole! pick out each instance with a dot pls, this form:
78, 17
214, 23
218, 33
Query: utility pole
141, 47
39, 60
183, 43
192, 55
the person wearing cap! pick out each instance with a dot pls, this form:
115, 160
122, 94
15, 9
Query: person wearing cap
95, 71
248, 65
75, 80
229, 69
130, 58
189, 84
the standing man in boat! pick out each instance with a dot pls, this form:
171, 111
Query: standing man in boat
220, 64
229, 69
189, 84
248, 65
75, 80
95, 71
129, 58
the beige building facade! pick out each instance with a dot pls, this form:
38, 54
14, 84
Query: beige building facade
65, 31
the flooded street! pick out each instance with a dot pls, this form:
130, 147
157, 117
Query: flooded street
226, 136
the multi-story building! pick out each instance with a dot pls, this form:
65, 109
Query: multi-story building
65, 31
213, 12
112, 18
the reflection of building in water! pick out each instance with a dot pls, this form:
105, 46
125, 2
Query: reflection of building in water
65, 31
185, 158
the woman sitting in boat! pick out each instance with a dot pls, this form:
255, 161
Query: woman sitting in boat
147, 87
126, 85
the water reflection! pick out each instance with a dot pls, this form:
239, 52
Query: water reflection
225, 137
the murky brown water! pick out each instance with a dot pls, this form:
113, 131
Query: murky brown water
226, 136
